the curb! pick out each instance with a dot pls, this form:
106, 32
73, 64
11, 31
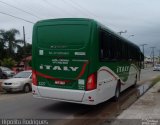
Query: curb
147, 106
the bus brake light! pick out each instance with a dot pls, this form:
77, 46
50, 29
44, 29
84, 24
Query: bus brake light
34, 77
91, 82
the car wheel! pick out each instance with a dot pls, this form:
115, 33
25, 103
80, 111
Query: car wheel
7, 91
4, 76
26, 88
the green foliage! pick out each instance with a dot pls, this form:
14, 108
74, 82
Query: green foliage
11, 47
9, 38
23, 51
28, 48
8, 62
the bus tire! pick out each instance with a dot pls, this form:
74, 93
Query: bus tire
117, 92
135, 83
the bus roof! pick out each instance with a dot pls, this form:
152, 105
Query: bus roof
64, 19
48, 21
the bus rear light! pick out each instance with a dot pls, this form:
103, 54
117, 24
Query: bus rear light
91, 82
34, 77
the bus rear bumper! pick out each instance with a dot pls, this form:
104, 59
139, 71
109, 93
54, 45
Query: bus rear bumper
73, 96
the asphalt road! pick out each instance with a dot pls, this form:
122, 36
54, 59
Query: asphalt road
148, 74
20, 105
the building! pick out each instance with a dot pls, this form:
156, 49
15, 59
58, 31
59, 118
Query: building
24, 64
150, 60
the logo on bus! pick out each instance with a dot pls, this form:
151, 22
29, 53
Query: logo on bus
122, 69
59, 68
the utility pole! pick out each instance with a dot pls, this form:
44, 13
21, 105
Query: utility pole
130, 36
143, 52
159, 56
153, 53
24, 37
24, 40
122, 32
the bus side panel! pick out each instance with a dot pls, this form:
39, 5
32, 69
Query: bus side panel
106, 83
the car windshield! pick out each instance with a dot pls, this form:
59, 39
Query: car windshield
5, 69
22, 75
158, 65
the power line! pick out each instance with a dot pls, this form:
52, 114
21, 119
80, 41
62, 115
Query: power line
48, 4
83, 8
51, 5
16, 17
73, 5
120, 32
20, 9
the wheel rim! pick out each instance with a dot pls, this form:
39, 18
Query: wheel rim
27, 88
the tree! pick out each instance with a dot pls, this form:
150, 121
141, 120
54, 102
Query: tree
1, 49
19, 54
9, 39
8, 62
12, 48
28, 49
2, 46
23, 51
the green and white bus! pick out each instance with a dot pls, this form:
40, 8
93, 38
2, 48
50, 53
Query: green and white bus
81, 61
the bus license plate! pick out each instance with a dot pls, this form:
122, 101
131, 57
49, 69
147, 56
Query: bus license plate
59, 82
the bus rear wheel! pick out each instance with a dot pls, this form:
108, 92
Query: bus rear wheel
117, 92
135, 82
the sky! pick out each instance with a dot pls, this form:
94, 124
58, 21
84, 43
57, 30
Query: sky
140, 18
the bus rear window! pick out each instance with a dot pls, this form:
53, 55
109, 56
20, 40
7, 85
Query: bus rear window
63, 36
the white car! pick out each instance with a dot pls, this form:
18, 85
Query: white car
20, 82
156, 67
6, 72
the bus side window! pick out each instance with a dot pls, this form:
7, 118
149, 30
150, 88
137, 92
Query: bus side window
108, 46
112, 48
102, 53
102, 42
104, 45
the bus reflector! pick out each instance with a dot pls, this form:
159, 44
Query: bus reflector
34, 77
91, 82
